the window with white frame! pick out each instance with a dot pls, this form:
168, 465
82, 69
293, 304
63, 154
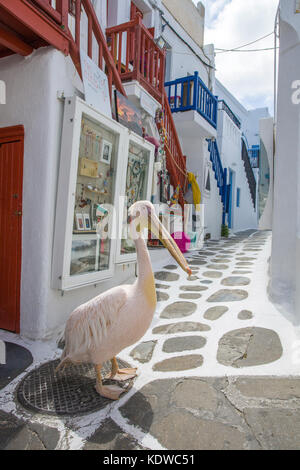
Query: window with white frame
96, 152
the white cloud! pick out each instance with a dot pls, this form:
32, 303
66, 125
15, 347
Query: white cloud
232, 23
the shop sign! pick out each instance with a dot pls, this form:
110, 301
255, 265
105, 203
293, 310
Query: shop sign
95, 85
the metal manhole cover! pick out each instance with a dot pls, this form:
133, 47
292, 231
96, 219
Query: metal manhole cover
71, 392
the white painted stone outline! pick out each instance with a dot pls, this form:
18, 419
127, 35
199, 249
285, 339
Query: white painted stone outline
265, 316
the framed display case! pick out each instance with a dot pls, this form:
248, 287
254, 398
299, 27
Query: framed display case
96, 155
88, 178
136, 185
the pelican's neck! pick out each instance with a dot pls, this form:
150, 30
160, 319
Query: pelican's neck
145, 282
143, 260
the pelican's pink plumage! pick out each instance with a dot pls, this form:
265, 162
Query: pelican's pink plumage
100, 329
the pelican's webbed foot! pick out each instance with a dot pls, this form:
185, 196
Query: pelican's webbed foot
120, 375
123, 374
112, 392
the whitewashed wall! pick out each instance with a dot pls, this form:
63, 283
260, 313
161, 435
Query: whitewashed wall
285, 266
249, 118
32, 86
267, 150
183, 61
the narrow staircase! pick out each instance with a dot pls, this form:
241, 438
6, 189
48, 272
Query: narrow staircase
249, 173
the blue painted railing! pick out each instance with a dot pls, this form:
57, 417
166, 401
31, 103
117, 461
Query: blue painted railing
220, 174
190, 93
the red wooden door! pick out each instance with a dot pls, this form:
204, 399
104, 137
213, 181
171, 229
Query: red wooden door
11, 182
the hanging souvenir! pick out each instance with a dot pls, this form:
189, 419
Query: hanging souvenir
174, 199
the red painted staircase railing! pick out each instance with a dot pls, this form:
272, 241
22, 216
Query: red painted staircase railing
105, 60
176, 161
59, 15
137, 56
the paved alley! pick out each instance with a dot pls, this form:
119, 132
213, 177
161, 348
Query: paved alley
218, 369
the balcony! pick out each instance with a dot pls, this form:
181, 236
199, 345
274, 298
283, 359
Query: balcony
193, 102
29, 24
137, 56
223, 106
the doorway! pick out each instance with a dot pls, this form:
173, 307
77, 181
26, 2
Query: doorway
11, 185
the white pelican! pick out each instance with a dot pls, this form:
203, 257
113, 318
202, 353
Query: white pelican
100, 329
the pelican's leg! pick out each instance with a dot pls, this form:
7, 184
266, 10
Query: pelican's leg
108, 391
121, 375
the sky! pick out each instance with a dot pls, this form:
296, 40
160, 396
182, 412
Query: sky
232, 23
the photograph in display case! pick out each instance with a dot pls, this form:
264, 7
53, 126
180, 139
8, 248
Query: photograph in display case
127, 114
106, 152
87, 222
79, 222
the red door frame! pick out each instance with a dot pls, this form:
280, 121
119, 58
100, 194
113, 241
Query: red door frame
11, 135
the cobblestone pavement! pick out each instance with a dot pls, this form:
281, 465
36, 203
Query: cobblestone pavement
218, 368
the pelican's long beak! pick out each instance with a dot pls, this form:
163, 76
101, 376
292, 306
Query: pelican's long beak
159, 231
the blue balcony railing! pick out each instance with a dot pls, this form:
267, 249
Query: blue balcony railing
220, 175
190, 93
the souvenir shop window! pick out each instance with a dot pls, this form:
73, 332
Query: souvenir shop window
94, 192
86, 211
137, 186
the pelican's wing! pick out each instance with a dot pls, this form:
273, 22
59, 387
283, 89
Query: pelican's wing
111, 303
92, 321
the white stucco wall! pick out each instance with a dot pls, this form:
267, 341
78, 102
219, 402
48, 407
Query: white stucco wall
249, 118
183, 61
32, 86
285, 265
189, 16
266, 131
229, 142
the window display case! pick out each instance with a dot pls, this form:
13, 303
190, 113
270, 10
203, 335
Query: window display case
101, 163
137, 186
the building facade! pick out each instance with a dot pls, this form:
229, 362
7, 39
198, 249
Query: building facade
65, 163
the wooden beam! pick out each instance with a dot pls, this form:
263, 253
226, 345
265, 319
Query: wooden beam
14, 43
37, 22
